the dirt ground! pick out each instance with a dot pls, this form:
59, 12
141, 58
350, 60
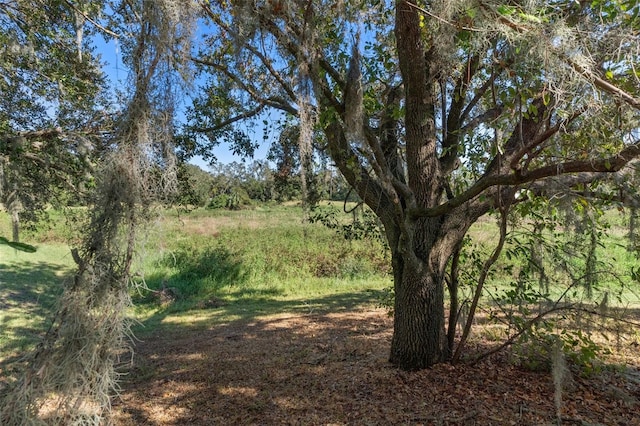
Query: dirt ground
332, 369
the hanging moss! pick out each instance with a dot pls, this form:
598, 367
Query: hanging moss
72, 375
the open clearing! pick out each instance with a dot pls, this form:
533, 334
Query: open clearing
331, 369
262, 340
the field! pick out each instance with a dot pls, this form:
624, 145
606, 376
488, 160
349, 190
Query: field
259, 317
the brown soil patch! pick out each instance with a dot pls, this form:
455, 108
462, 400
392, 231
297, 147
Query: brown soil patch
213, 225
332, 369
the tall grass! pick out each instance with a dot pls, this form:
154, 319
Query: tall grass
615, 262
229, 264
271, 252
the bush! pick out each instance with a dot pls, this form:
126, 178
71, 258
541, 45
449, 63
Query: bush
231, 200
201, 272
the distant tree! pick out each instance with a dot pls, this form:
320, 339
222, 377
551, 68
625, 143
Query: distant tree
284, 153
194, 185
237, 185
259, 182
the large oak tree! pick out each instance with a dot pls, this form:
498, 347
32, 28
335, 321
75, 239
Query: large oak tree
436, 112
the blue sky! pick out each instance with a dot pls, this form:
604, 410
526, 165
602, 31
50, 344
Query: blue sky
117, 74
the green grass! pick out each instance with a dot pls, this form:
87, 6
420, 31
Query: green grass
250, 263
223, 265
613, 268
29, 285
228, 265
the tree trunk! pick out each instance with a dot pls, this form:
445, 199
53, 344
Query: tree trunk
419, 337
418, 329
419, 264
15, 223
454, 302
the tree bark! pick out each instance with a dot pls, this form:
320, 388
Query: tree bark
419, 336
418, 329
454, 301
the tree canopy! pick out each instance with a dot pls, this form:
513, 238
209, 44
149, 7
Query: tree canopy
437, 113
53, 107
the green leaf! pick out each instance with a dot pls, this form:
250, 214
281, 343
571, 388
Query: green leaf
530, 18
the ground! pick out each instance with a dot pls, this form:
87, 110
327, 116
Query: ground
332, 369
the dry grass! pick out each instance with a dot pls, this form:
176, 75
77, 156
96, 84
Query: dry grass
211, 223
211, 226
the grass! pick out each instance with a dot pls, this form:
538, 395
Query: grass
615, 262
29, 285
252, 263
211, 267
219, 265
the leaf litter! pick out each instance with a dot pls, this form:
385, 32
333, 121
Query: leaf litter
332, 369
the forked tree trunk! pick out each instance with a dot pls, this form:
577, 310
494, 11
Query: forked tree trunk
419, 336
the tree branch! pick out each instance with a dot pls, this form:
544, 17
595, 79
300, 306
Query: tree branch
265, 61
275, 102
476, 98
297, 52
355, 173
222, 125
36, 134
603, 84
526, 327
543, 137
93, 22
451, 134
606, 165
484, 273
482, 118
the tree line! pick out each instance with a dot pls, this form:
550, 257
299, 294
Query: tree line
240, 185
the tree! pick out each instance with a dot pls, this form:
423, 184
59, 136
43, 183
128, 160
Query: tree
286, 156
73, 369
53, 110
436, 113
194, 185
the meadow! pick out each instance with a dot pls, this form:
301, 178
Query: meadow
246, 262
265, 260
221, 293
